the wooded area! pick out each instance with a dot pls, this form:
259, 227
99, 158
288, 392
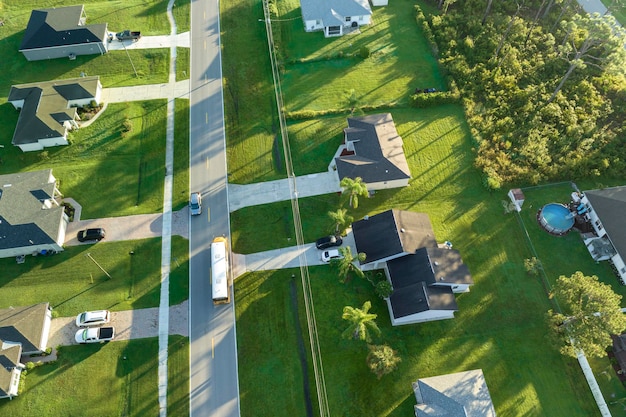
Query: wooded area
543, 86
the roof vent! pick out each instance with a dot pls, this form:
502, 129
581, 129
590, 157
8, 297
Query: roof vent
402, 230
436, 263
441, 278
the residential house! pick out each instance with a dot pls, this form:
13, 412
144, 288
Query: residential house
605, 210
462, 394
31, 219
23, 331
335, 17
372, 150
48, 110
424, 275
62, 33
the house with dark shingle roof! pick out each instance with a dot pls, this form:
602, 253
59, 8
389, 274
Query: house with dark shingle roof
462, 394
424, 276
23, 331
606, 208
48, 110
335, 17
372, 150
62, 33
31, 219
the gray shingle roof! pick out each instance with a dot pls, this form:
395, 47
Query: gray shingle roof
392, 232
46, 106
332, 12
23, 220
9, 358
60, 27
610, 206
462, 394
23, 325
378, 154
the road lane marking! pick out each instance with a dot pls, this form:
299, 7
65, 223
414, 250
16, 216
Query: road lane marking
206, 117
207, 162
212, 347
205, 44
208, 212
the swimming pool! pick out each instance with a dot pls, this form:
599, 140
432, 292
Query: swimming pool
555, 218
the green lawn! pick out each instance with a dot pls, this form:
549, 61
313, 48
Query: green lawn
328, 73
114, 68
180, 190
268, 349
118, 378
178, 377
72, 282
512, 350
109, 171
249, 104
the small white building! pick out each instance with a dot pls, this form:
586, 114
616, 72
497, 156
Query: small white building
335, 17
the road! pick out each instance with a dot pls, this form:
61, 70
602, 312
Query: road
214, 389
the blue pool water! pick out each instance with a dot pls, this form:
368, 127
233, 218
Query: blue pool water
555, 218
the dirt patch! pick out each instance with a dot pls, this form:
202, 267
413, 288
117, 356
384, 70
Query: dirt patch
301, 351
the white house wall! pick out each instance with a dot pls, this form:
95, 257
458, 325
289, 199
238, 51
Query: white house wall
383, 185
618, 262
29, 250
313, 25
423, 317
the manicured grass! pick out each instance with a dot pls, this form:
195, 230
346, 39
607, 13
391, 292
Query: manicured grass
182, 15
72, 282
109, 171
329, 73
249, 104
443, 181
178, 377
182, 64
270, 371
180, 190
500, 325
112, 379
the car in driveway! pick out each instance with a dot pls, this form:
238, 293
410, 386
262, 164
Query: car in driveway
95, 335
330, 254
91, 234
195, 204
93, 318
328, 242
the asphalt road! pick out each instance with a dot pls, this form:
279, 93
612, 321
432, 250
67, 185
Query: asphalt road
214, 389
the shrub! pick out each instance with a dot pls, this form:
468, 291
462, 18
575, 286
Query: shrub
365, 52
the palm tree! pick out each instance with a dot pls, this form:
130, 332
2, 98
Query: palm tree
356, 188
341, 219
362, 323
346, 264
382, 360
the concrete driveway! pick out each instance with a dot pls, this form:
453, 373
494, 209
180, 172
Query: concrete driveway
128, 324
146, 42
140, 226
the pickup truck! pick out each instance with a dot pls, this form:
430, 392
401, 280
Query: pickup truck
95, 335
128, 35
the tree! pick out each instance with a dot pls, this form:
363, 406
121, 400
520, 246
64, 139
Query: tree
362, 323
346, 264
341, 219
383, 289
382, 360
356, 188
602, 44
591, 313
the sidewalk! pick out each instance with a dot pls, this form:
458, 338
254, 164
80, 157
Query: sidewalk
240, 196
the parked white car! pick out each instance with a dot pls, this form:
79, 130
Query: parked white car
93, 318
95, 335
330, 254
195, 204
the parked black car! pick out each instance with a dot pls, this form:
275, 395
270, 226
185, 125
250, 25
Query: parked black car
91, 234
328, 242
